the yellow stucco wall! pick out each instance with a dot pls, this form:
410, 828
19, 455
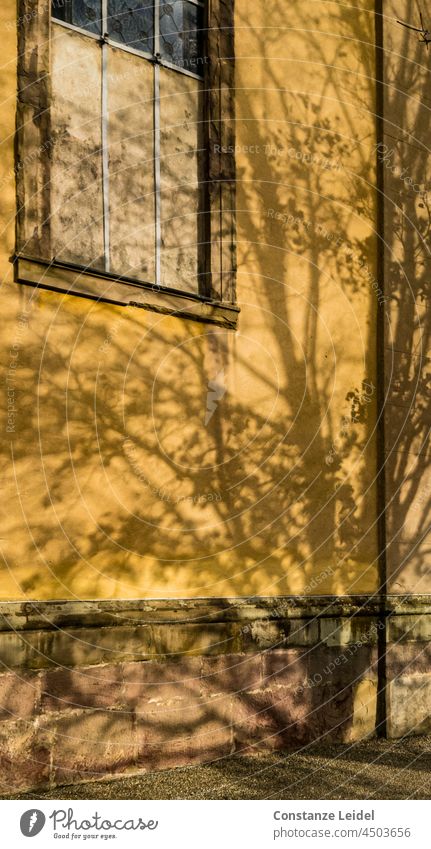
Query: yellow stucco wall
115, 485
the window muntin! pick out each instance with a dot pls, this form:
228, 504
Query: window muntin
146, 176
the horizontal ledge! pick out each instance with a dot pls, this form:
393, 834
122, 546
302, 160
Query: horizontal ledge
110, 288
49, 615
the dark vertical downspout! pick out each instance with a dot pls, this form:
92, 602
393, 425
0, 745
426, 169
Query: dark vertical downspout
380, 373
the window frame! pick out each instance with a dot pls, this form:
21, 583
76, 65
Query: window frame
33, 260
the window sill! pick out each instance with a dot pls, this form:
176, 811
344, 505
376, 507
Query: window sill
73, 280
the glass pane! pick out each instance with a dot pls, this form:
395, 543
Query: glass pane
81, 13
131, 22
181, 34
131, 165
180, 172
76, 162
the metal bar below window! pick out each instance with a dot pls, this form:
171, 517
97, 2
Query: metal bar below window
127, 49
171, 67
74, 28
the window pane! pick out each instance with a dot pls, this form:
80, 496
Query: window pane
131, 165
181, 34
180, 171
81, 13
131, 22
76, 162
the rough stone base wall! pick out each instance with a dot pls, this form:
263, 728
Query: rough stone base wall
112, 687
408, 670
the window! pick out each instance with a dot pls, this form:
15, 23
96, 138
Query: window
128, 118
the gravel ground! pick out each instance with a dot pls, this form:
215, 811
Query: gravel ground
374, 769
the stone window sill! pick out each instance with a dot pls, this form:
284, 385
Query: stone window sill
74, 280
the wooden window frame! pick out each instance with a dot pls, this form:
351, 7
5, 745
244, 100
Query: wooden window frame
33, 260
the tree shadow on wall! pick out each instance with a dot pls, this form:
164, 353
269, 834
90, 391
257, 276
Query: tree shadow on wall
182, 459
404, 155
